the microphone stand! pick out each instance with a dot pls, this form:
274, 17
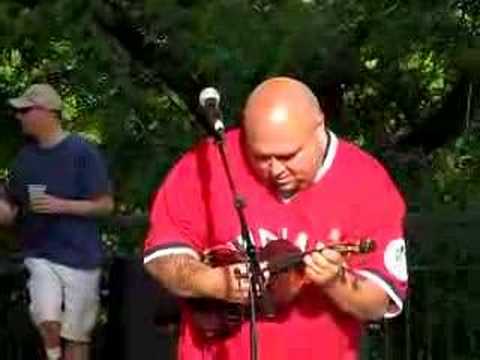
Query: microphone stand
257, 293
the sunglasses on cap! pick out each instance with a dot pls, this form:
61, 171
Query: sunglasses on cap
27, 109
23, 110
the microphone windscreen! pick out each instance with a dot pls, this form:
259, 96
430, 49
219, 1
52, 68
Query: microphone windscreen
209, 93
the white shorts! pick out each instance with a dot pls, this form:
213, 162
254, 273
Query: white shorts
63, 294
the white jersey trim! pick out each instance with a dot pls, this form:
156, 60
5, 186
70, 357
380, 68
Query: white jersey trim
330, 156
377, 280
174, 250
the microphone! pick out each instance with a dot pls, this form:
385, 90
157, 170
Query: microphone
209, 100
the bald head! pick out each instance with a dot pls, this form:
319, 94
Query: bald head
277, 101
282, 118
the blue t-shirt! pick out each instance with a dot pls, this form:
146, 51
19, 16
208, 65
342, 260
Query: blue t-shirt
72, 169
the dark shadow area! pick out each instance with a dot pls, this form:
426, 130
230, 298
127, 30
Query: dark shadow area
142, 316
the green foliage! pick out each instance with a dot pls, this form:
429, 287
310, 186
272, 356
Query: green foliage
457, 172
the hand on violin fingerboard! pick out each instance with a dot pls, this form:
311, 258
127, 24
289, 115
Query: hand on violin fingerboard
325, 266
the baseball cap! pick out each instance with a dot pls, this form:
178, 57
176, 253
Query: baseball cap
42, 95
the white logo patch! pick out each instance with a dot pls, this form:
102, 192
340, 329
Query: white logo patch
395, 259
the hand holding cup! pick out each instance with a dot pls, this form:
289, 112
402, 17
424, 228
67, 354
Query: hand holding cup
36, 192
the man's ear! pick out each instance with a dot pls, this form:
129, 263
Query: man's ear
321, 118
320, 122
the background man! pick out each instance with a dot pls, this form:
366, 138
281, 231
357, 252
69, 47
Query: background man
57, 188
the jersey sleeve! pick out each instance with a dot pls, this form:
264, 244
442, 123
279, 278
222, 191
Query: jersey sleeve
383, 214
176, 225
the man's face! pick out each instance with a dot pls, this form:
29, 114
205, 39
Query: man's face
285, 159
284, 134
32, 119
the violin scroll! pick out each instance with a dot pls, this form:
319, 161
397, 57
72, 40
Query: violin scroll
363, 246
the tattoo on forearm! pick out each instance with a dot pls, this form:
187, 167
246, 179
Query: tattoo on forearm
177, 273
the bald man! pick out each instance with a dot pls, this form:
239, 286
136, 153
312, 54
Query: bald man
302, 185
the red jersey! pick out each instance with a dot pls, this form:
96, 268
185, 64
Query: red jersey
352, 193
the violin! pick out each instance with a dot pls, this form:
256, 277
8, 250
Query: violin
219, 319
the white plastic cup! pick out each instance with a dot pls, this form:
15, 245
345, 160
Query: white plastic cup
36, 191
